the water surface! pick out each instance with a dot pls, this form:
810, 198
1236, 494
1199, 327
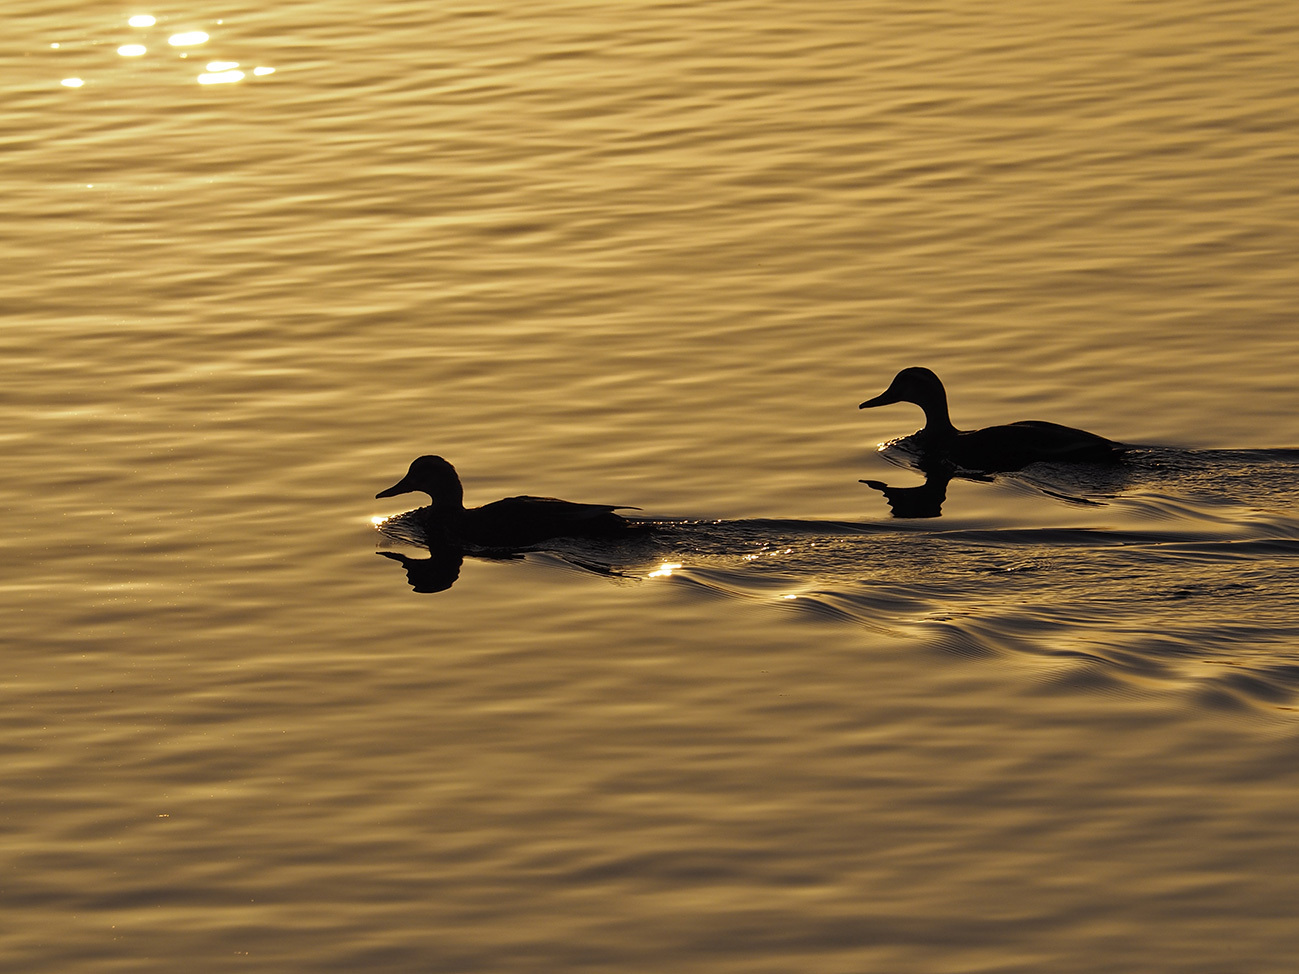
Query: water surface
649, 254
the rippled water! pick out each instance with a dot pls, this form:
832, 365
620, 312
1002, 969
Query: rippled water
820, 715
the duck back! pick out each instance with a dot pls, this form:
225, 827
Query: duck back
1016, 445
525, 520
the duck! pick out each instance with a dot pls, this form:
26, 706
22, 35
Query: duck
992, 449
509, 523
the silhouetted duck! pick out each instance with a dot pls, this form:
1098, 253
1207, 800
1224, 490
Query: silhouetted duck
508, 523
992, 448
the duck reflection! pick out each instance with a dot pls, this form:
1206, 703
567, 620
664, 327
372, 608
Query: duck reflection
925, 500
437, 573
1081, 485
440, 569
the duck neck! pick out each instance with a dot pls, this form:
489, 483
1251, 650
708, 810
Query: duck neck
449, 501
938, 423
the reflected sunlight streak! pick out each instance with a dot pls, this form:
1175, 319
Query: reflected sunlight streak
220, 77
664, 570
217, 72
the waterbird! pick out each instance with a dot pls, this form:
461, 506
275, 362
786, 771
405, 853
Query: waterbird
512, 522
993, 448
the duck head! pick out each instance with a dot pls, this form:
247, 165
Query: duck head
920, 386
435, 477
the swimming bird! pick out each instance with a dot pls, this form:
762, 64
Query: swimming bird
993, 448
508, 523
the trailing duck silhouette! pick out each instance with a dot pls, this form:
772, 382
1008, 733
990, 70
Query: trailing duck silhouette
509, 523
993, 448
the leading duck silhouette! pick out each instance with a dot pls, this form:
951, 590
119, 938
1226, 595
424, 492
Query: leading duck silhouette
510, 523
941, 446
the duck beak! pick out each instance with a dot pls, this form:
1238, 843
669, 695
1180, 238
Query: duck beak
883, 399
400, 487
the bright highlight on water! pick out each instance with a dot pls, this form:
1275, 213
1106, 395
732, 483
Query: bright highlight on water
220, 77
217, 72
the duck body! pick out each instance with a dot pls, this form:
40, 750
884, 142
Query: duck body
992, 449
527, 520
509, 523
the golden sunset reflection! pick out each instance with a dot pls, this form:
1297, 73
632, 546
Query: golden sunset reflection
217, 72
896, 716
220, 77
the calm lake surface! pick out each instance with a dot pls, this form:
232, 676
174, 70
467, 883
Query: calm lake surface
653, 254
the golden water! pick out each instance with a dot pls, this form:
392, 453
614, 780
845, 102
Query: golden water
652, 254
